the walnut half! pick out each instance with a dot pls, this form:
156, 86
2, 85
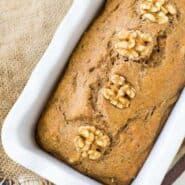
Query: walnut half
91, 142
134, 44
156, 10
119, 92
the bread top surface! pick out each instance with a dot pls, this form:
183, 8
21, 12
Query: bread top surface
78, 100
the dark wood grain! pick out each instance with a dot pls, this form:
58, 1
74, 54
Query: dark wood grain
175, 172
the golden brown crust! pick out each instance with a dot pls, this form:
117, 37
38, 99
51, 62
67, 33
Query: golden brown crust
157, 80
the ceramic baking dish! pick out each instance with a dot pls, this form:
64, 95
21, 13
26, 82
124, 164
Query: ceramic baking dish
18, 129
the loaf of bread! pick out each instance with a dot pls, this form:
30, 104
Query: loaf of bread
117, 91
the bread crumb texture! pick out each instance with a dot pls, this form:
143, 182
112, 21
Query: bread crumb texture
118, 89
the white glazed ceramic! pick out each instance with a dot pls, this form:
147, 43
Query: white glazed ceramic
18, 128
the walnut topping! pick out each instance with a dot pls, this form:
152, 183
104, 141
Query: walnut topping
91, 142
156, 10
134, 45
119, 92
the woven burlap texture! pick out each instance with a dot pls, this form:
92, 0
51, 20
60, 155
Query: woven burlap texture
26, 28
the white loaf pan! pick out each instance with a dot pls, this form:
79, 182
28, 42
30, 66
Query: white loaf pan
18, 129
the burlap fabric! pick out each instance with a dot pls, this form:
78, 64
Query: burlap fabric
26, 28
